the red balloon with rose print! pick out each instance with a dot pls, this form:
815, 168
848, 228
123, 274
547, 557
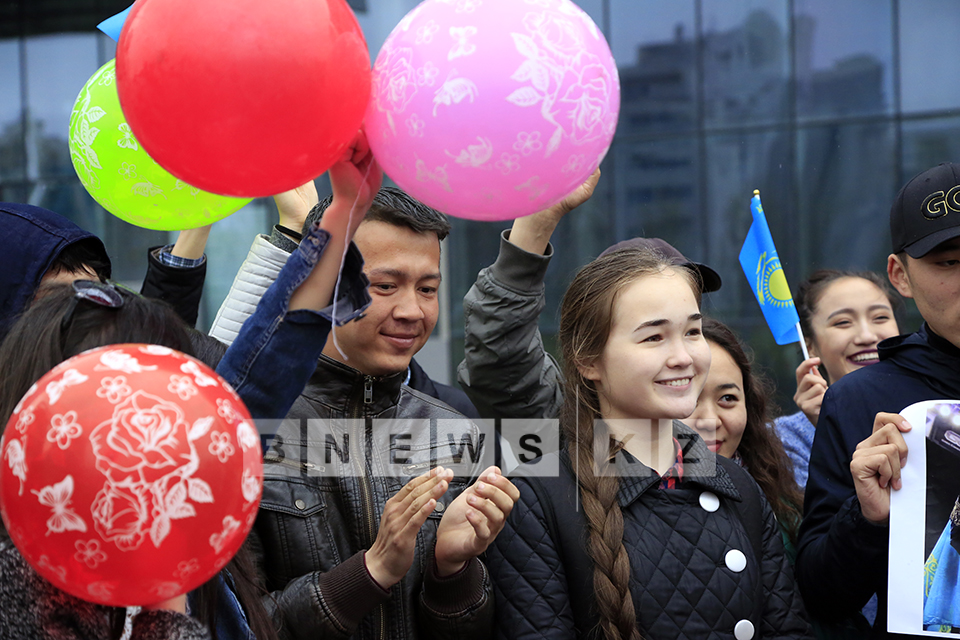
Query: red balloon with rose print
129, 474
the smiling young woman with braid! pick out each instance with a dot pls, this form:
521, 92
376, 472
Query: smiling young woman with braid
643, 531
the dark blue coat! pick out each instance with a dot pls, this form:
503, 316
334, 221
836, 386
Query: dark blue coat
842, 558
33, 237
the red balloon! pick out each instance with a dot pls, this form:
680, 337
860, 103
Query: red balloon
131, 474
243, 97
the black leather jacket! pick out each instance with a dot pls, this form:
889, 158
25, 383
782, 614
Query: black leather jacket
325, 486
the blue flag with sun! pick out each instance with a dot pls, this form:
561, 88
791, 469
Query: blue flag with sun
761, 265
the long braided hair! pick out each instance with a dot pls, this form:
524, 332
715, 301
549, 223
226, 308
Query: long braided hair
586, 317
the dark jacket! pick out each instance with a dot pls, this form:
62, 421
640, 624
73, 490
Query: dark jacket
33, 609
842, 558
324, 493
681, 583
445, 393
179, 287
33, 239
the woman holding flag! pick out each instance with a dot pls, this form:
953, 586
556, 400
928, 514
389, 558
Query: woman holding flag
844, 315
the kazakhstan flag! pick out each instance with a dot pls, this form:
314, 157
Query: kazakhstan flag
761, 265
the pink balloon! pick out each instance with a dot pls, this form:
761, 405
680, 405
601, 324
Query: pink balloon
493, 109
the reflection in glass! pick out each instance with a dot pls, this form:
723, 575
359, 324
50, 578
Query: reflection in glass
736, 165
844, 57
846, 183
930, 60
11, 124
745, 62
654, 46
927, 143
657, 193
57, 67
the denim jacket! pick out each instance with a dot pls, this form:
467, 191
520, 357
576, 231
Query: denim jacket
274, 339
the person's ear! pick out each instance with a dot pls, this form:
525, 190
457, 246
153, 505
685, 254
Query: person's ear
811, 346
898, 276
591, 370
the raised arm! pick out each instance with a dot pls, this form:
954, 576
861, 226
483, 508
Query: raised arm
506, 370
176, 273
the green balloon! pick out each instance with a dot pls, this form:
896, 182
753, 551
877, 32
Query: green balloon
119, 174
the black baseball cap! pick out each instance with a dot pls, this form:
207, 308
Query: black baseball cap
710, 278
926, 211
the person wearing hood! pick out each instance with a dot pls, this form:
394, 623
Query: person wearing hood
858, 449
43, 247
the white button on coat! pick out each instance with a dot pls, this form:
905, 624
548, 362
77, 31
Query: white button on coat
735, 560
743, 630
709, 501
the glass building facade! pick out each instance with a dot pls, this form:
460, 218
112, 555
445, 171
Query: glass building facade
826, 106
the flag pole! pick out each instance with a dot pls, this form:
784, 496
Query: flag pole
803, 343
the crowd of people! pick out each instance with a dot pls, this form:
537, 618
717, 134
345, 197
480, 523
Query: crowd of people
679, 506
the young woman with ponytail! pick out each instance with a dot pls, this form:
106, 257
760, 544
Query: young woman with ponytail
636, 529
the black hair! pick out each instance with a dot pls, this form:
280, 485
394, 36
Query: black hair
393, 206
82, 256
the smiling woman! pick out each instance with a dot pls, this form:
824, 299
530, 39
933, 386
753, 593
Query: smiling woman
844, 316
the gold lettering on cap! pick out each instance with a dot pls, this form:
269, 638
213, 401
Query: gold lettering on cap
938, 204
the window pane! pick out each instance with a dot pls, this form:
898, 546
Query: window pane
11, 124
929, 57
657, 195
57, 67
844, 53
653, 43
736, 165
846, 178
745, 61
927, 143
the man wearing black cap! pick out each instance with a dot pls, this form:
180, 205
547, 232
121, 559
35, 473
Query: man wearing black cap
858, 448
506, 371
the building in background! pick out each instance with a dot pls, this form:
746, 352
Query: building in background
826, 106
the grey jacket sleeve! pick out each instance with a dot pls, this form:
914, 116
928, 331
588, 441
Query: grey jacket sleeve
506, 371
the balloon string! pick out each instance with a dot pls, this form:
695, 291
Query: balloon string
128, 622
343, 260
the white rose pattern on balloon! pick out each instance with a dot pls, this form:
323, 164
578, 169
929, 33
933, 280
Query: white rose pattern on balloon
127, 141
426, 32
438, 175
219, 540
247, 436
228, 412
221, 446
17, 460
165, 590
462, 47
468, 6
571, 86
82, 153
63, 429
527, 143
89, 553
395, 80
115, 389
182, 386
475, 155
249, 486
454, 91
70, 378
156, 349
147, 454
186, 568
44, 563
415, 126
120, 361
24, 420
508, 163
101, 590
574, 163
32, 390
533, 187
427, 74
57, 497
128, 171
200, 378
